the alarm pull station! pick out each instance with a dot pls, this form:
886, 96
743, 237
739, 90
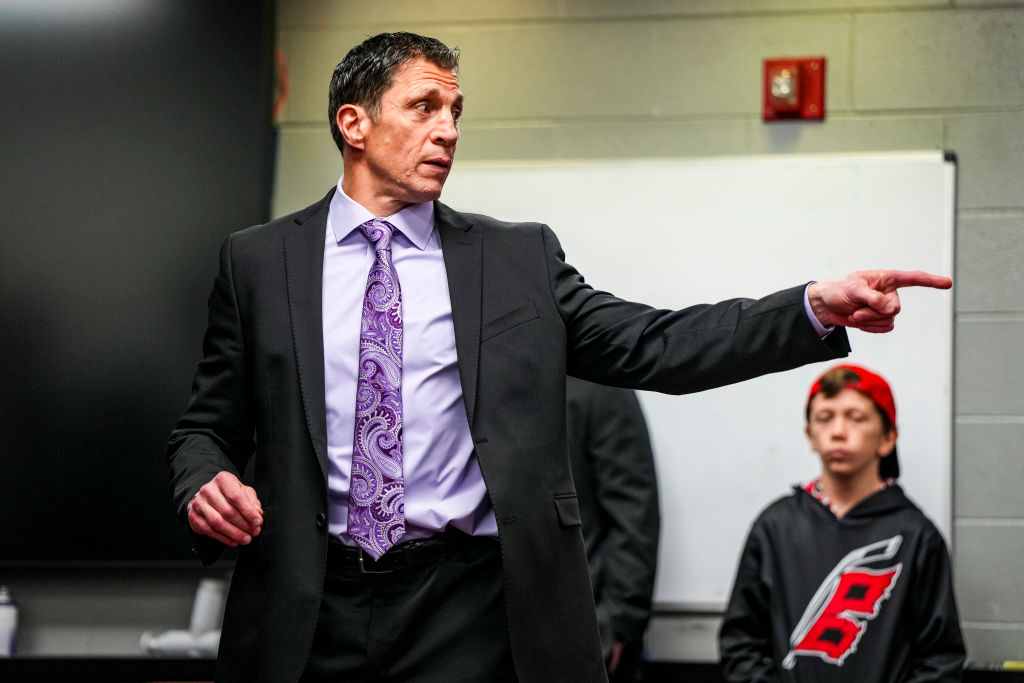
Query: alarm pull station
794, 89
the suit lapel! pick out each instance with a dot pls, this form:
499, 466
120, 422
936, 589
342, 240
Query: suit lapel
304, 267
463, 264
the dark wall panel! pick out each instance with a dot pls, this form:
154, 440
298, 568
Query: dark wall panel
133, 137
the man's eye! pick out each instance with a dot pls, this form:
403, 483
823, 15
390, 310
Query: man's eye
423, 107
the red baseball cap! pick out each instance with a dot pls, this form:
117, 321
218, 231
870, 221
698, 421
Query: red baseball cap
875, 387
871, 385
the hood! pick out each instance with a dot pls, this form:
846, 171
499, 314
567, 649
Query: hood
879, 503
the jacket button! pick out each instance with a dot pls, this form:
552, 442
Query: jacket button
321, 520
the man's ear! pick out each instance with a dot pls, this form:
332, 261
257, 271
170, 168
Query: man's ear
352, 122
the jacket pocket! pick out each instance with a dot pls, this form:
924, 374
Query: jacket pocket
568, 508
508, 320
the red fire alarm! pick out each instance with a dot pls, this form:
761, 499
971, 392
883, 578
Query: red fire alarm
794, 88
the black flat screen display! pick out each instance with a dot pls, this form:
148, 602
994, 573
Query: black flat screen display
134, 135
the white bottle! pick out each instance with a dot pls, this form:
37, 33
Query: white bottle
8, 622
208, 606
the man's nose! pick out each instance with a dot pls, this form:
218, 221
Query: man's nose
447, 131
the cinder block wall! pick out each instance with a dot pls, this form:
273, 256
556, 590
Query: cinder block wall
605, 78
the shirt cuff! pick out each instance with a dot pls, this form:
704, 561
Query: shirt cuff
822, 330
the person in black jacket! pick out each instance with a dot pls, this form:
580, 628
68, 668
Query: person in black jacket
613, 470
845, 579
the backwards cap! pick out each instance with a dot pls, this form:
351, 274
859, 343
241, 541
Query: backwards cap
877, 389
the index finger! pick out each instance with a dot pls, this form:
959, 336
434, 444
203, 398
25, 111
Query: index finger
895, 279
243, 499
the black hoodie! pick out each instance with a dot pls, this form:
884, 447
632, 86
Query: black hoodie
865, 598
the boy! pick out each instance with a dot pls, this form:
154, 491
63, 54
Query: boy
846, 579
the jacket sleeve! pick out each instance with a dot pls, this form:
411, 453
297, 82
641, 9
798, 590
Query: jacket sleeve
215, 433
618, 449
744, 641
937, 652
621, 343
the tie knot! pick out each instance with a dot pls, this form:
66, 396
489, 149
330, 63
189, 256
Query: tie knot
379, 232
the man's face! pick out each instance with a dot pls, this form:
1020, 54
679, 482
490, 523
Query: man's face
846, 432
409, 150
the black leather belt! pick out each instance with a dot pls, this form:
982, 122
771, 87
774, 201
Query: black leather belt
407, 555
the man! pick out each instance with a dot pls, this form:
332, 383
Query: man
461, 407
613, 470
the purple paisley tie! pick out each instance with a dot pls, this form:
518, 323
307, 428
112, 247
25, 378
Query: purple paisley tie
376, 499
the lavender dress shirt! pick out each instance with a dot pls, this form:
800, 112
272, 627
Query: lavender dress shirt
443, 483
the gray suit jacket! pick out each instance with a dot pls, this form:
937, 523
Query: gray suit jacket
523, 319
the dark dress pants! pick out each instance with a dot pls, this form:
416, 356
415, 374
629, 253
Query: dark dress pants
441, 621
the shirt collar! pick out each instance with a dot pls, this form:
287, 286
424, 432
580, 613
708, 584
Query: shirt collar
415, 221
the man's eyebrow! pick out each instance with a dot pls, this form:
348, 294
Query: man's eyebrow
433, 92
426, 91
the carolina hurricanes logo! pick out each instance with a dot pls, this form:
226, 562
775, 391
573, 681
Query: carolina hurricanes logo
851, 595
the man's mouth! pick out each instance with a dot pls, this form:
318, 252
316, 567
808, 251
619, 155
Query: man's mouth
439, 163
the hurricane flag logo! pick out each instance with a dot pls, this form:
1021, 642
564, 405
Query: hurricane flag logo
849, 597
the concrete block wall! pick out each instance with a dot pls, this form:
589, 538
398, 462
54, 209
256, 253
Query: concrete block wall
604, 79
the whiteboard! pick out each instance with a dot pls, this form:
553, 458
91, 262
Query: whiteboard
676, 232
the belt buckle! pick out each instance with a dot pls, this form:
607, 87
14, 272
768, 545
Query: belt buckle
362, 565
